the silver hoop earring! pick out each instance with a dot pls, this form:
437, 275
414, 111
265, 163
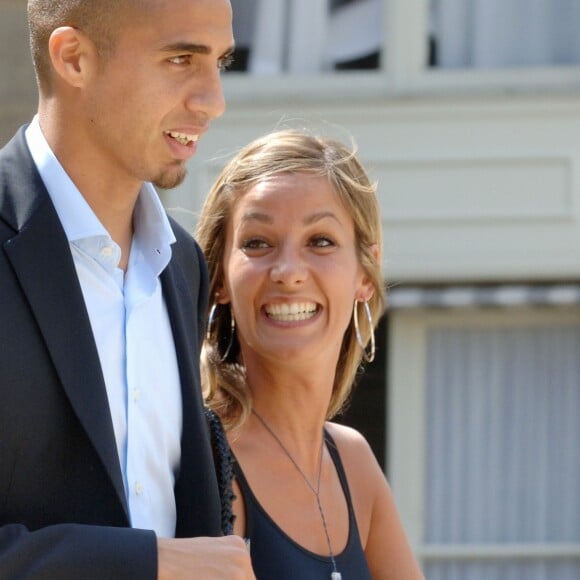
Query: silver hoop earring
232, 329
367, 356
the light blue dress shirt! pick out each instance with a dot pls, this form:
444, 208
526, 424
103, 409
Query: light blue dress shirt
133, 337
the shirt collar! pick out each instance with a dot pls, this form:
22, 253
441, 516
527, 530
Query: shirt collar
153, 233
75, 214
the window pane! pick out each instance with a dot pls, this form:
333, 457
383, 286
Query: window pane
503, 425
534, 570
504, 33
306, 36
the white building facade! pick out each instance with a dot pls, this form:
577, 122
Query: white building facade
471, 125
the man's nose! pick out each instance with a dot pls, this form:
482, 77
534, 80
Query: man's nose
208, 96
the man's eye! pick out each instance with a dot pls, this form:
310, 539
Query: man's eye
180, 59
226, 62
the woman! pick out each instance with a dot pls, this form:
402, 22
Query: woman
291, 231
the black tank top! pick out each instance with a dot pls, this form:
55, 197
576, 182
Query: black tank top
275, 556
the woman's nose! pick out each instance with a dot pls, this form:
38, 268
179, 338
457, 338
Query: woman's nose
289, 268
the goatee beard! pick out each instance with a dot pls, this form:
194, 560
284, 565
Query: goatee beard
170, 179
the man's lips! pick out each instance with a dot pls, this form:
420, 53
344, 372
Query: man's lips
183, 138
183, 145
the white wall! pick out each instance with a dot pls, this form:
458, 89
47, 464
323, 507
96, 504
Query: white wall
17, 85
471, 187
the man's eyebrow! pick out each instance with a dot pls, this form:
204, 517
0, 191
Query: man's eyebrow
187, 47
192, 48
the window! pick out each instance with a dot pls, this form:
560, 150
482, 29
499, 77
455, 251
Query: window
309, 47
504, 33
306, 36
485, 424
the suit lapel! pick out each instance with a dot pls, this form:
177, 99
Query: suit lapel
196, 487
41, 258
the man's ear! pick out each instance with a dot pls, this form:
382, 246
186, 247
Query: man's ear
72, 55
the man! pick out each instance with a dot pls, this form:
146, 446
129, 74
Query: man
104, 453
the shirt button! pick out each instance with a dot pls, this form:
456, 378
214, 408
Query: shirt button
107, 251
138, 488
136, 395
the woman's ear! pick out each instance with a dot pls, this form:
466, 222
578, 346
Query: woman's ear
367, 289
376, 252
221, 295
72, 55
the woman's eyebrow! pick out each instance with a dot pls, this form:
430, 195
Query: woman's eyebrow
308, 220
320, 215
257, 216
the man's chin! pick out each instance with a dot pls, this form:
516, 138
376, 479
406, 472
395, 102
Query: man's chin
170, 178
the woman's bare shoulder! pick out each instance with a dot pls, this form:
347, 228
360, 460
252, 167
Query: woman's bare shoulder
382, 535
352, 445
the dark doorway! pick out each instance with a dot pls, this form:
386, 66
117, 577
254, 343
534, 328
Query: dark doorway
367, 409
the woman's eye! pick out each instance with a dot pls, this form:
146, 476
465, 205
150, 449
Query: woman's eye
254, 244
321, 242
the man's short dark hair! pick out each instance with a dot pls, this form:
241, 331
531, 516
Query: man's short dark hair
98, 19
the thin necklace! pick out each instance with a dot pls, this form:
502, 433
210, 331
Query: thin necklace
335, 574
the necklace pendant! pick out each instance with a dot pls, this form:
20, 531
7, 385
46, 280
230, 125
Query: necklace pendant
335, 576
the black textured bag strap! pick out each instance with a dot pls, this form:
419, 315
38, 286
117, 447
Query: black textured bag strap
223, 459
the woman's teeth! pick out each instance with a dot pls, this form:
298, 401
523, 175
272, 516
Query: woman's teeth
291, 312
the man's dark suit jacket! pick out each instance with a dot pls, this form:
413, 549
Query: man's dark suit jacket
63, 512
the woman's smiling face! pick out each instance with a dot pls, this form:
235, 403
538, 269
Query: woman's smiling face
291, 269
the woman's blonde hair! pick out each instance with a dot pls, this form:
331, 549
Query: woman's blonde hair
288, 151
